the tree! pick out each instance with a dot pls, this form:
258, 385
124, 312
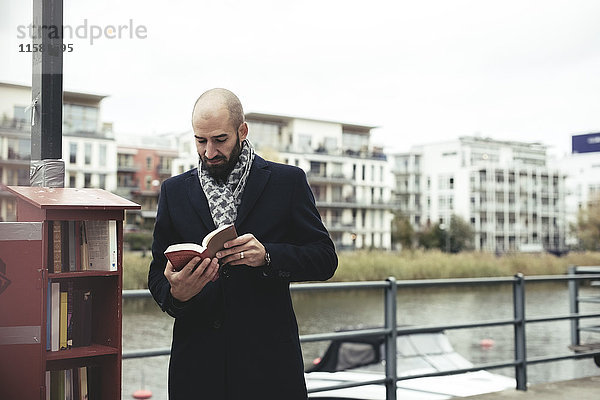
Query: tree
402, 231
431, 237
461, 235
588, 225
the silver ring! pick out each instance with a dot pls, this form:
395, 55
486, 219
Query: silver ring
241, 255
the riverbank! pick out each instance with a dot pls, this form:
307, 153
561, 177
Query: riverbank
432, 264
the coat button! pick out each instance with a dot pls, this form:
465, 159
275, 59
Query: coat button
225, 272
217, 324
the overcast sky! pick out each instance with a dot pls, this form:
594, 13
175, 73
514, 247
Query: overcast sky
421, 71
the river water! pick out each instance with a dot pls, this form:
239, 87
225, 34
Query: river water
145, 326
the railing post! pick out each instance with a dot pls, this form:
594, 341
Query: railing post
520, 344
574, 305
391, 374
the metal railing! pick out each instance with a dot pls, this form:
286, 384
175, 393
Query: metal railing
391, 330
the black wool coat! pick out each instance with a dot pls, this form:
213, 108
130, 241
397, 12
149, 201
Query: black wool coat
238, 338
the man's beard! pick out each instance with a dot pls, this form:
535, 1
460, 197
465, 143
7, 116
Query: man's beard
221, 172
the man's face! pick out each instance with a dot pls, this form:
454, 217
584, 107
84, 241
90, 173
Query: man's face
218, 142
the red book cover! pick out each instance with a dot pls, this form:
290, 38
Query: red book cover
180, 254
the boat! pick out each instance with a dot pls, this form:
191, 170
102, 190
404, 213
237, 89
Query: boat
348, 361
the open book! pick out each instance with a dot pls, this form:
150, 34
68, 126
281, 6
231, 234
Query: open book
180, 254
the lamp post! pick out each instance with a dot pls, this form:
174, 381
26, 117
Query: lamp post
446, 230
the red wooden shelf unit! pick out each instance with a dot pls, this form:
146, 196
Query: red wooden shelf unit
66, 247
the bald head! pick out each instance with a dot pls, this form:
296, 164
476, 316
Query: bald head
213, 100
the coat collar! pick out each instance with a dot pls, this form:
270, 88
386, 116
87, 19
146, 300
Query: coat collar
198, 199
257, 179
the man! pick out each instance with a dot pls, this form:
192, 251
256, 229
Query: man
235, 334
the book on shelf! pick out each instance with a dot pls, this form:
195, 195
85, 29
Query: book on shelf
55, 250
83, 384
57, 385
101, 245
67, 384
55, 320
76, 383
72, 245
63, 320
49, 316
83, 247
73, 306
48, 380
180, 254
68, 287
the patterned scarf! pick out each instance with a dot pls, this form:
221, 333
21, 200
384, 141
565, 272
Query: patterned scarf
225, 199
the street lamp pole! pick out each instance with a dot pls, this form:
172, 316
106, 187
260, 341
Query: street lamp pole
446, 230
47, 166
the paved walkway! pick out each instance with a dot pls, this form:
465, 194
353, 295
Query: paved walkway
576, 389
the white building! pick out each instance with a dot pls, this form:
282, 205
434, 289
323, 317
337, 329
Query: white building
88, 146
508, 193
348, 176
582, 168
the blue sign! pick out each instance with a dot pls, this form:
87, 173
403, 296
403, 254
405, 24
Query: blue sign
588, 143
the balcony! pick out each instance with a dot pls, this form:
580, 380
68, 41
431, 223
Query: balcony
339, 226
128, 168
318, 177
164, 170
17, 162
353, 202
15, 124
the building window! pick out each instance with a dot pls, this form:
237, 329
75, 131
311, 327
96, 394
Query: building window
102, 155
318, 168
148, 182
72, 179
77, 118
23, 177
364, 172
87, 180
102, 181
330, 143
148, 163
19, 149
22, 115
304, 142
88, 154
73, 153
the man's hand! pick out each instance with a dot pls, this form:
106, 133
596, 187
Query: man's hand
187, 282
243, 250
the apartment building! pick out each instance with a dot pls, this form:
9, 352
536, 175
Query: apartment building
88, 146
507, 191
349, 176
143, 163
582, 168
